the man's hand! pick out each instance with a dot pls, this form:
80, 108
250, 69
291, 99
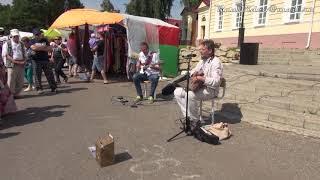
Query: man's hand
154, 66
196, 83
41, 48
200, 78
19, 62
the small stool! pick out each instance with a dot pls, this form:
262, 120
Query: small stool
145, 84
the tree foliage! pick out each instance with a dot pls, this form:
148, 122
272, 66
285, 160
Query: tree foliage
189, 3
5, 11
56, 8
160, 9
106, 5
26, 15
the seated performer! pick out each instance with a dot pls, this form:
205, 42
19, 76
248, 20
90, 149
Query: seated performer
148, 68
207, 73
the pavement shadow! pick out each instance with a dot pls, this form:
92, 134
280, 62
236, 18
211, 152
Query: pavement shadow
7, 135
79, 82
32, 115
48, 93
229, 113
163, 98
121, 157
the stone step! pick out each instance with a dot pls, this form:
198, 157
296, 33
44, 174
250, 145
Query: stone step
292, 83
300, 123
281, 116
261, 71
273, 62
266, 88
295, 97
249, 94
286, 51
267, 84
268, 55
276, 84
287, 61
255, 119
292, 104
253, 94
282, 52
288, 73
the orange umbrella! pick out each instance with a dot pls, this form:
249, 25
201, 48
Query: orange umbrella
77, 17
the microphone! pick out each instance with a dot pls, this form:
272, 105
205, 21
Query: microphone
189, 56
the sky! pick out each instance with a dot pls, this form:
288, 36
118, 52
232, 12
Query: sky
119, 4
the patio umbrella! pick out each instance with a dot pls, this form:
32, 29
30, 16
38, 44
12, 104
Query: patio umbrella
77, 17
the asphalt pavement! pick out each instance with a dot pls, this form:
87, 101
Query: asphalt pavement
48, 139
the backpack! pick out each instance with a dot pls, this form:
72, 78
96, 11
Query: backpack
202, 135
10, 52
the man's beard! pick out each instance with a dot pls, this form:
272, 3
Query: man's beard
205, 57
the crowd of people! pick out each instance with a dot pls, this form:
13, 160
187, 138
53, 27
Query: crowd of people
26, 58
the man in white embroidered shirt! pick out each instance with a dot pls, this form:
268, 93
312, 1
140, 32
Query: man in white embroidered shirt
148, 69
208, 73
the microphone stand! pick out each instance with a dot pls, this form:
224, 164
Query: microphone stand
187, 127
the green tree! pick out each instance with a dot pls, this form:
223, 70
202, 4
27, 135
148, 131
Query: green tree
156, 9
57, 7
5, 11
189, 3
106, 5
25, 15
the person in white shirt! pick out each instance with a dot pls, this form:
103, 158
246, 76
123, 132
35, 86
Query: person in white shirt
15, 57
148, 67
207, 72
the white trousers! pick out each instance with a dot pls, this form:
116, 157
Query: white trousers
193, 107
16, 79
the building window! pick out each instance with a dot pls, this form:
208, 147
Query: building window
263, 5
239, 6
295, 10
220, 17
203, 18
203, 32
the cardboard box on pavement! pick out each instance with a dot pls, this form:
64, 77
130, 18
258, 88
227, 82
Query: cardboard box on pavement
105, 150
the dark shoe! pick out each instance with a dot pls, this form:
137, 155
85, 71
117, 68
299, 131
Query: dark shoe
65, 80
54, 90
17, 97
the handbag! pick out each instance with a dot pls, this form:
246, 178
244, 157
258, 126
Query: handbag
203, 135
219, 129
